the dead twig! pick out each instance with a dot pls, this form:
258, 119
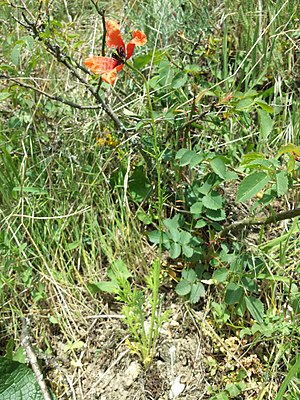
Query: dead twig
32, 358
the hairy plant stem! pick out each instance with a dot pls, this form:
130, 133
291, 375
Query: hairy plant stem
153, 330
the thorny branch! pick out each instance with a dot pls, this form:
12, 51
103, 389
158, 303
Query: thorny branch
239, 225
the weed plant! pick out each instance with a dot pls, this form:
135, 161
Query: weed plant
192, 156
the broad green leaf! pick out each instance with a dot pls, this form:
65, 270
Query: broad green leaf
183, 287
289, 148
206, 187
256, 308
174, 235
156, 236
220, 275
197, 291
213, 201
251, 185
139, 186
233, 293
15, 53
265, 123
197, 159
172, 223
262, 164
247, 158
249, 284
219, 167
244, 104
215, 215
175, 250
144, 217
180, 153
18, 382
186, 157
142, 60
185, 237
197, 208
282, 183
200, 224
190, 275
179, 80
188, 251
104, 286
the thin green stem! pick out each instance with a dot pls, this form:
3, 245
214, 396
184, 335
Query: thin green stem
159, 207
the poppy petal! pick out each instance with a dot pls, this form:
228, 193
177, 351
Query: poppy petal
110, 77
139, 39
113, 35
99, 65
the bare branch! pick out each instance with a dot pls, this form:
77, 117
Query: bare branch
32, 358
50, 96
239, 225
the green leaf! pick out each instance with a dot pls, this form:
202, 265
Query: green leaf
245, 104
219, 167
190, 275
282, 183
213, 201
183, 287
220, 275
265, 106
255, 307
18, 382
142, 60
251, 185
179, 80
190, 158
197, 208
185, 237
139, 186
15, 53
233, 293
180, 153
200, 224
154, 237
175, 250
247, 158
172, 223
265, 123
77, 345
104, 286
144, 217
197, 291
188, 251
192, 69
215, 215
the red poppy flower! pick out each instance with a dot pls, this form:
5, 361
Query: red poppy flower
108, 67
